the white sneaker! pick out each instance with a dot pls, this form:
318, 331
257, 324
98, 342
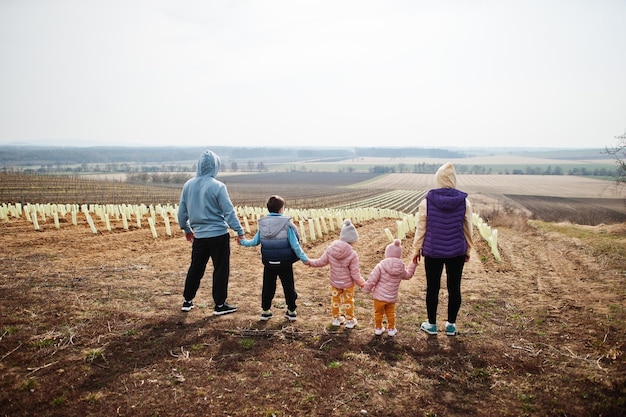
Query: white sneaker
338, 321
392, 332
378, 331
351, 324
450, 329
429, 328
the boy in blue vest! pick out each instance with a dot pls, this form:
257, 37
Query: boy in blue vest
280, 248
444, 239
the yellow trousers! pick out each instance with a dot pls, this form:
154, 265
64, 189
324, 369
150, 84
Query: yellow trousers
382, 309
342, 299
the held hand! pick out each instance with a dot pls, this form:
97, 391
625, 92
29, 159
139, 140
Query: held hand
189, 237
416, 258
467, 257
240, 238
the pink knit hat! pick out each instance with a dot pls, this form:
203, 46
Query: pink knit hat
394, 250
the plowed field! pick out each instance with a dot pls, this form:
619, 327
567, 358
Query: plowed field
91, 326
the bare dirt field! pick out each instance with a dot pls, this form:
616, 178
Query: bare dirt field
91, 325
535, 185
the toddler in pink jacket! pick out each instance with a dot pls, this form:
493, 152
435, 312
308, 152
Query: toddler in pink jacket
384, 283
344, 274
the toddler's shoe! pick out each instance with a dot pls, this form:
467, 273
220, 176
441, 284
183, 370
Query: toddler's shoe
378, 331
392, 332
338, 321
351, 324
450, 329
266, 315
429, 328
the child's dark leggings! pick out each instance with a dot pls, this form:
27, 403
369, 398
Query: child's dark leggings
270, 273
434, 269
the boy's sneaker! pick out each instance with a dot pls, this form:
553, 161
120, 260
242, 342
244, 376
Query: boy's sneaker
392, 332
187, 306
266, 315
224, 309
338, 321
378, 331
291, 315
450, 329
429, 328
351, 324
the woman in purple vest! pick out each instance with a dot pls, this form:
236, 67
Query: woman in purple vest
444, 238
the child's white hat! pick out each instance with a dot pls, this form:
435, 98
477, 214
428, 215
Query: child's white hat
348, 232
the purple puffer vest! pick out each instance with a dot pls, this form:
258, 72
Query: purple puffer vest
445, 217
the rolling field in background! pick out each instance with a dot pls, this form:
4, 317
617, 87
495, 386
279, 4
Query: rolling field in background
548, 197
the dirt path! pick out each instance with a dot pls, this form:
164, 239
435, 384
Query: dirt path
91, 324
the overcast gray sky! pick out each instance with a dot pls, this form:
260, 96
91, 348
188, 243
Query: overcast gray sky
532, 73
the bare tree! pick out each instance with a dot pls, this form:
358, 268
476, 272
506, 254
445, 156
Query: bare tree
619, 152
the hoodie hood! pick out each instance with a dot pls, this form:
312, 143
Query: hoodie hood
446, 176
339, 249
393, 267
208, 164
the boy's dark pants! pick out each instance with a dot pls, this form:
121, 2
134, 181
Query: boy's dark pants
285, 273
434, 269
218, 249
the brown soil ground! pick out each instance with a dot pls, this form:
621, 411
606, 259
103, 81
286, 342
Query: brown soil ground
91, 325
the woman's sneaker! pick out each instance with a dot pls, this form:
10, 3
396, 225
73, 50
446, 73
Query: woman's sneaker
450, 329
429, 328
338, 321
351, 324
266, 315
187, 306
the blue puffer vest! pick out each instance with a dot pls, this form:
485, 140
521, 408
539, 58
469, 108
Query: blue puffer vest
275, 248
445, 216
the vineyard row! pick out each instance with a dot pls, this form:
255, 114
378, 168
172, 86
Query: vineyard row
406, 201
44, 189
312, 223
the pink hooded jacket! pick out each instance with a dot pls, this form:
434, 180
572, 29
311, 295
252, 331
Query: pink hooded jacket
344, 265
384, 280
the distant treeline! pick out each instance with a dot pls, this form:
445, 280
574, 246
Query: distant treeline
179, 173
137, 162
57, 156
424, 168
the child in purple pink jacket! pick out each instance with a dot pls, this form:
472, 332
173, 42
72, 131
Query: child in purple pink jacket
344, 274
384, 284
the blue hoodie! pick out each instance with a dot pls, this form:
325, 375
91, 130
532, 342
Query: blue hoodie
205, 207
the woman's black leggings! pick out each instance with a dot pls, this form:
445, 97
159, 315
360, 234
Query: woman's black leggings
434, 269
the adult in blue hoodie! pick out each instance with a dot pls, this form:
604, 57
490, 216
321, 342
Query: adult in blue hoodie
205, 214
444, 238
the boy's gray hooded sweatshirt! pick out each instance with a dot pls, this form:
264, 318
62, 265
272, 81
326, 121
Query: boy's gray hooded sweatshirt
205, 206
